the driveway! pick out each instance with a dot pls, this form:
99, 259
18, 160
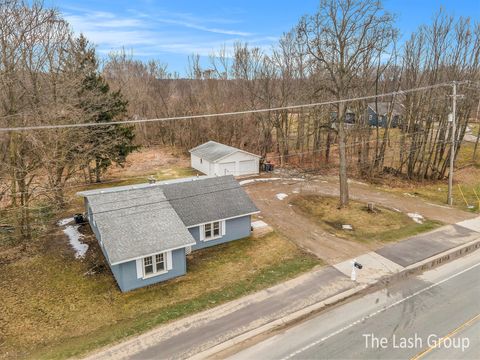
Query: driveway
311, 237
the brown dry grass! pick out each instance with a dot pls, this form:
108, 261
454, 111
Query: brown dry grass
51, 308
383, 225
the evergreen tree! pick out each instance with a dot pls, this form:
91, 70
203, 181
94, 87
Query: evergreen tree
107, 144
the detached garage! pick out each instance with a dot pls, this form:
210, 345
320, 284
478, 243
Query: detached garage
213, 158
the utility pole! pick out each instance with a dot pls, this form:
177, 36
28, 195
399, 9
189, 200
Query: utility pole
453, 120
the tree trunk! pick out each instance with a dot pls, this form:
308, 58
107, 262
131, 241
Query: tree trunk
343, 157
97, 171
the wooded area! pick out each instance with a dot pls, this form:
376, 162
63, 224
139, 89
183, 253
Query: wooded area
349, 49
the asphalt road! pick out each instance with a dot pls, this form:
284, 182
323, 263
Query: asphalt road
432, 316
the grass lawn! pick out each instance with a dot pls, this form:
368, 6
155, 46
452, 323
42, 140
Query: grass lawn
383, 226
52, 308
466, 188
475, 128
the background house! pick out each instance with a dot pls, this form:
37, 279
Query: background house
212, 158
145, 231
378, 114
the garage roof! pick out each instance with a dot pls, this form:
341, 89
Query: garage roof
213, 151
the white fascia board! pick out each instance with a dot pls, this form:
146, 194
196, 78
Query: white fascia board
158, 252
233, 217
238, 150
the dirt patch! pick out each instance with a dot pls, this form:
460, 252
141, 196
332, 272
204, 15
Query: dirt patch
312, 237
149, 160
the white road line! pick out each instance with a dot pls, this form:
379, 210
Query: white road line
299, 351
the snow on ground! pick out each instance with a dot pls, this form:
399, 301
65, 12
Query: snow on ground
64, 222
259, 224
250, 181
74, 237
281, 196
416, 217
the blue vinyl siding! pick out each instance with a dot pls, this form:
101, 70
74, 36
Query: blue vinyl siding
237, 228
126, 273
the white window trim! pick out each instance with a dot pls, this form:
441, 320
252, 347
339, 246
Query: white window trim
202, 228
165, 266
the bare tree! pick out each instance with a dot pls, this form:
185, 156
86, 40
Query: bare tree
339, 38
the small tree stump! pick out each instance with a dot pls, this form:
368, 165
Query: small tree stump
371, 207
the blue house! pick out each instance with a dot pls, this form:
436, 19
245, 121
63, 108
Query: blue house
379, 112
145, 231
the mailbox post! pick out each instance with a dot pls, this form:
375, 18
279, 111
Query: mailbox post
355, 265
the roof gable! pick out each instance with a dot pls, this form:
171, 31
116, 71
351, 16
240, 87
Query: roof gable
135, 223
214, 151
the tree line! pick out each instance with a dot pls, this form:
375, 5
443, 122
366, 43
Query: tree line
347, 49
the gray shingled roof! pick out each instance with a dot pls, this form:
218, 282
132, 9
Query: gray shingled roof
138, 220
213, 151
136, 223
208, 199
383, 108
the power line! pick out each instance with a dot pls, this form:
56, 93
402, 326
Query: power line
204, 116
414, 148
313, 151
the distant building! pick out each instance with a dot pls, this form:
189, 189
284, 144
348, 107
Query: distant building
213, 158
378, 114
349, 117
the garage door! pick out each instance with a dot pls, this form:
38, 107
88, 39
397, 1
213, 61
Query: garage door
226, 169
248, 167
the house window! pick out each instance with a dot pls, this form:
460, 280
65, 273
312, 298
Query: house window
148, 264
159, 262
212, 230
154, 264
216, 228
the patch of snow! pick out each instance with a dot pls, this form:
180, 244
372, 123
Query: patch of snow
297, 179
347, 227
281, 196
251, 181
397, 210
416, 217
259, 224
296, 191
64, 222
408, 194
74, 237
